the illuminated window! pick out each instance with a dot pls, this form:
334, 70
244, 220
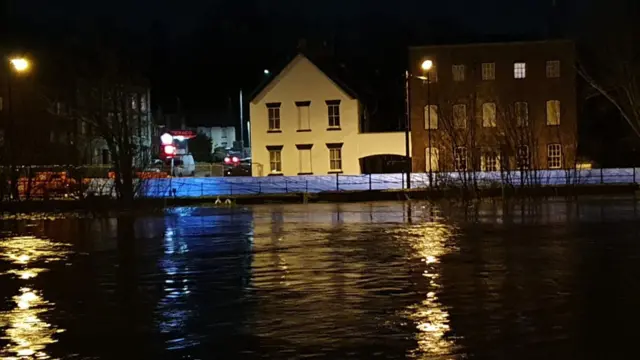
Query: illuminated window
335, 157
520, 70
275, 160
431, 117
523, 157
460, 116
458, 72
460, 158
490, 161
554, 156
488, 71
522, 113
553, 68
553, 112
432, 157
489, 114
333, 108
143, 103
273, 110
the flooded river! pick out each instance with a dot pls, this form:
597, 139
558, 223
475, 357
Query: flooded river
542, 280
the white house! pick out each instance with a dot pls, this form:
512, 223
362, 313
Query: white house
221, 136
303, 123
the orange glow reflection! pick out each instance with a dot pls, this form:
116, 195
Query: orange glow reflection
428, 244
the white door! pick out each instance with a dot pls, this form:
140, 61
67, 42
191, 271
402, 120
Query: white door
433, 160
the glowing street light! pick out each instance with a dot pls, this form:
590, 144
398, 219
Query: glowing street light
267, 72
20, 64
167, 139
427, 65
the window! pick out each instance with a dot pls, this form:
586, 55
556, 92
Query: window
488, 71
554, 156
458, 72
432, 156
143, 103
335, 157
274, 116
553, 112
134, 101
1, 103
460, 158
553, 68
490, 161
431, 117
304, 159
460, 116
275, 159
333, 107
304, 115
83, 128
522, 113
520, 70
489, 114
523, 157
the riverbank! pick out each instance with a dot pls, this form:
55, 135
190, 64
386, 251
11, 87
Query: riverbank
104, 204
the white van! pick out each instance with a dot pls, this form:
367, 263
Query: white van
184, 166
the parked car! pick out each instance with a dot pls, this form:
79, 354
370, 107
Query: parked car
239, 168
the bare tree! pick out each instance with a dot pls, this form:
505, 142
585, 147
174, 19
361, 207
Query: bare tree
609, 57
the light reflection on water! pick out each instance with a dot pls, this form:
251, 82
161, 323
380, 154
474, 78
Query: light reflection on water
26, 332
349, 281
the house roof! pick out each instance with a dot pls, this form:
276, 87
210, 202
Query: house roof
330, 68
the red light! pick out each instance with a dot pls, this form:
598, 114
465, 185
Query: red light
227, 160
235, 159
169, 150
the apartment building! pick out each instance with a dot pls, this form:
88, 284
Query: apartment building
305, 121
493, 106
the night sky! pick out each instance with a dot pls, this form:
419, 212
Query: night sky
204, 51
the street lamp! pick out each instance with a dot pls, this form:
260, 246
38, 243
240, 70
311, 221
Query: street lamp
426, 66
20, 64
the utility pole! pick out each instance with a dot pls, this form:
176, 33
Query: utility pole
407, 128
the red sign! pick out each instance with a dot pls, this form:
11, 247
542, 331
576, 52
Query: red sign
187, 134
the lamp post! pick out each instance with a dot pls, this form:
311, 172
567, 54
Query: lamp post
407, 128
426, 68
18, 66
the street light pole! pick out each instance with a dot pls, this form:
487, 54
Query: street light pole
407, 128
426, 67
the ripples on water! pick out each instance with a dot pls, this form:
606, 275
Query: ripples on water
360, 281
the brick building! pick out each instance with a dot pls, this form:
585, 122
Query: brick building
493, 106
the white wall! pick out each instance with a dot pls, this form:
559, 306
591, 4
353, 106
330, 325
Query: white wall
303, 81
220, 136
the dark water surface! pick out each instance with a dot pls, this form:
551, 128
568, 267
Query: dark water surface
545, 280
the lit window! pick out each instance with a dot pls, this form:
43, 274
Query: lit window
554, 156
335, 157
273, 110
488, 71
458, 72
460, 116
523, 157
134, 101
460, 158
553, 112
143, 103
431, 117
489, 114
275, 161
520, 70
553, 68
432, 157
333, 108
522, 113
490, 161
